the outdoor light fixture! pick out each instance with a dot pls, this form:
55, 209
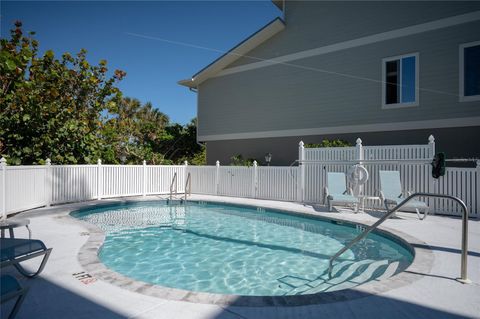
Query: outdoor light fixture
268, 158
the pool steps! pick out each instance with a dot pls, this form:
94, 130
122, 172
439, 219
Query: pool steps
346, 274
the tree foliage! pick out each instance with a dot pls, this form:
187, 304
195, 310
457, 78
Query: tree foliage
51, 107
136, 132
71, 111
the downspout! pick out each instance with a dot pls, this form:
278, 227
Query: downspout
195, 90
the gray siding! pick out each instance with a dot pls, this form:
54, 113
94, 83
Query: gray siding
312, 24
284, 97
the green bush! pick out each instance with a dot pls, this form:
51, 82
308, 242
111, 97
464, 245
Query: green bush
329, 143
238, 160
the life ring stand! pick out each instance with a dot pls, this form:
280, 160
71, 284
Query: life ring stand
357, 174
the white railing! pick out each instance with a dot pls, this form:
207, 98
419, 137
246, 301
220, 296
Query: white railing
26, 187
278, 183
331, 154
236, 181
459, 182
73, 183
204, 179
159, 177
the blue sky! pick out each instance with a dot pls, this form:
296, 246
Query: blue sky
153, 67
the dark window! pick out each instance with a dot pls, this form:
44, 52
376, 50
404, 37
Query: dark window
471, 70
392, 92
400, 80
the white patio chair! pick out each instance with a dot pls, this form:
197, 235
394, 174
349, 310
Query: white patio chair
392, 194
336, 191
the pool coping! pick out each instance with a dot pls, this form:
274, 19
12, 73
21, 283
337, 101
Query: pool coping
88, 259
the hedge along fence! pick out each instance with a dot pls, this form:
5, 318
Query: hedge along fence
27, 187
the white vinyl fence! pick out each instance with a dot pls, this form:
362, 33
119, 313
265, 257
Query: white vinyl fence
26, 187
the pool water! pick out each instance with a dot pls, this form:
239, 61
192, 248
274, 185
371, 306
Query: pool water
227, 249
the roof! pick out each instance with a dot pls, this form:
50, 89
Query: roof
235, 53
279, 3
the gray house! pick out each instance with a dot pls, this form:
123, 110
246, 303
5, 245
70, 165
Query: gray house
388, 72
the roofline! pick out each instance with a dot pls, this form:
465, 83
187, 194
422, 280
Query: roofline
279, 3
254, 40
229, 52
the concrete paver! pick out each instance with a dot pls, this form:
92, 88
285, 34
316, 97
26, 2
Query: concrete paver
57, 293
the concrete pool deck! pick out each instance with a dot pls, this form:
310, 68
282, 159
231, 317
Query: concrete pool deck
64, 291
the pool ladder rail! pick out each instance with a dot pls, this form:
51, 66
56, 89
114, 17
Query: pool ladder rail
463, 268
188, 186
174, 186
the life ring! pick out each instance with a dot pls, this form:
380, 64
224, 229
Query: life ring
357, 174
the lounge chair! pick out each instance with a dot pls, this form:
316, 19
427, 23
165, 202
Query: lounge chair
392, 194
15, 250
10, 289
337, 192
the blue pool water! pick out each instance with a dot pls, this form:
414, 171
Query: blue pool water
238, 250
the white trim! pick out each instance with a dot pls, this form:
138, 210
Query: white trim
378, 127
417, 85
461, 89
389, 35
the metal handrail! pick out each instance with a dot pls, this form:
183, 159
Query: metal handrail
463, 268
188, 186
174, 183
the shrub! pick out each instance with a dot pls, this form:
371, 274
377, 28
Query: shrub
238, 160
329, 143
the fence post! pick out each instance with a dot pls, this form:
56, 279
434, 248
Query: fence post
185, 167
3, 165
359, 149
48, 182
255, 180
431, 143
431, 180
144, 193
301, 168
99, 179
477, 191
217, 176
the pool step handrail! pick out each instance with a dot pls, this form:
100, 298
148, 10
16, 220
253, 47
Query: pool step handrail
463, 268
188, 186
173, 185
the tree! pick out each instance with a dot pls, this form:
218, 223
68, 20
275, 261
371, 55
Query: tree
134, 132
71, 112
182, 143
199, 158
51, 108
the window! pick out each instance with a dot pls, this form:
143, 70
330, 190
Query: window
470, 72
400, 81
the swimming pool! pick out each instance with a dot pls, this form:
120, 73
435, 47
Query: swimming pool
226, 249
